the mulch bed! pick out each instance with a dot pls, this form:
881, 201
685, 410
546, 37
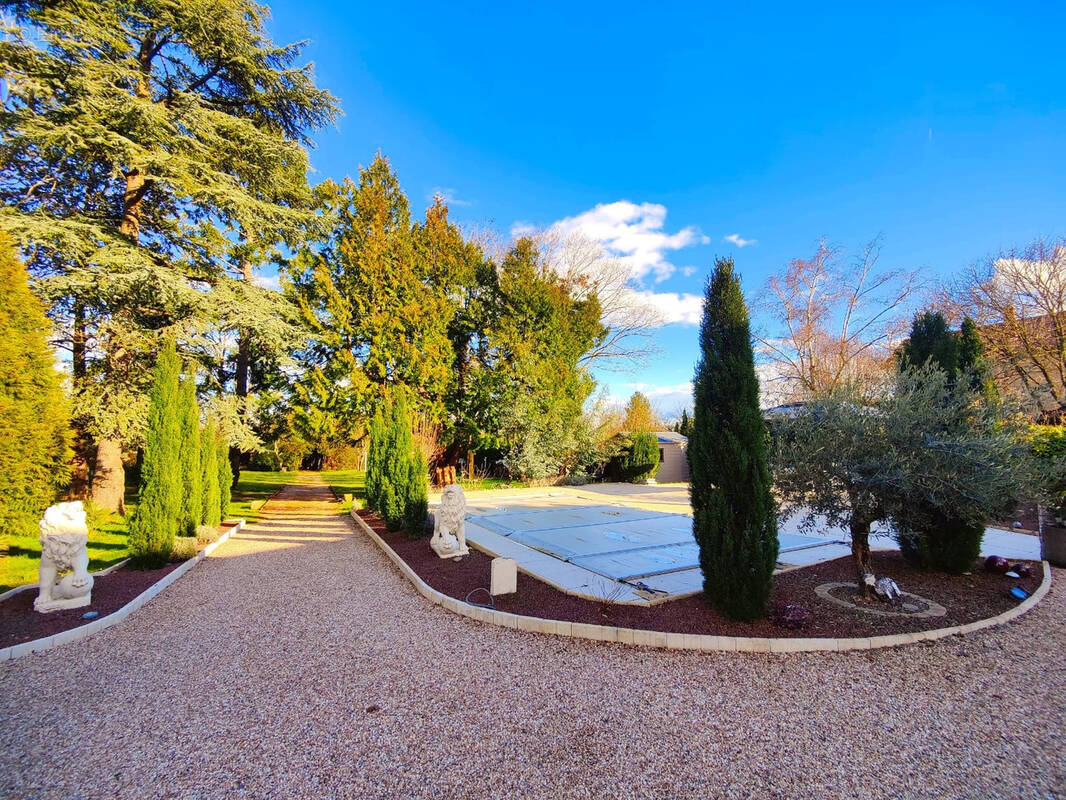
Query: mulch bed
20, 623
1026, 514
968, 598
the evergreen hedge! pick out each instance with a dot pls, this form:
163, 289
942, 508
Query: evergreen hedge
155, 523
35, 434
734, 516
192, 499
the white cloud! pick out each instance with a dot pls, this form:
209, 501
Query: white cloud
448, 194
672, 307
629, 232
688, 272
268, 282
738, 240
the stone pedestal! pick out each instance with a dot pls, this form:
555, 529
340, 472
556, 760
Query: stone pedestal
64, 539
503, 576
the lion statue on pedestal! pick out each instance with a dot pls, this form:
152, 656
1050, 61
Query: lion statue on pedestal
64, 541
449, 526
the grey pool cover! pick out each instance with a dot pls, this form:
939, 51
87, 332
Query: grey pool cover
617, 542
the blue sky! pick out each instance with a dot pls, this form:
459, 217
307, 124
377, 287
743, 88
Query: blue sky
940, 127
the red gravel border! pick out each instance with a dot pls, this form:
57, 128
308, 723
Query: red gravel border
20, 623
968, 598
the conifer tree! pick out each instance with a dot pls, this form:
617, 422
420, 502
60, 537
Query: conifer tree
34, 433
734, 517
931, 339
397, 465
373, 462
192, 500
212, 505
154, 525
225, 477
642, 460
417, 505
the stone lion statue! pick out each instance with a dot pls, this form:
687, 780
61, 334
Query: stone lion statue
449, 527
64, 537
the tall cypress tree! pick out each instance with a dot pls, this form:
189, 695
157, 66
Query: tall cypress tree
225, 477
373, 462
152, 530
212, 505
192, 500
734, 516
35, 432
416, 507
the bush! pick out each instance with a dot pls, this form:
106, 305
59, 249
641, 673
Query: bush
937, 541
642, 460
34, 436
206, 534
185, 547
1049, 448
155, 523
265, 461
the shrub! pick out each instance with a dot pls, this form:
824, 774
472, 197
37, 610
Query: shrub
192, 495
416, 507
642, 460
185, 547
734, 517
396, 479
34, 436
155, 523
206, 534
1049, 448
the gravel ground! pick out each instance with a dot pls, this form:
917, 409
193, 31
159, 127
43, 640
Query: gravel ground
296, 663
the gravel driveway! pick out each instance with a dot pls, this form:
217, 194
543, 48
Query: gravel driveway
297, 663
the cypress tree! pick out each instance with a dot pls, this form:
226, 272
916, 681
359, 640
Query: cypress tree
642, 460
396, 466
212, 505
154, 525
734, 517
34, 436
973, 367
225, 476
417, 505
192, 499
373, 463
931, 339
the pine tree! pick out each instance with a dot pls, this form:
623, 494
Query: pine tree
192, 500
734, 517
972, 364
34, 435
685, 426
152, 530
225, 477
212, 505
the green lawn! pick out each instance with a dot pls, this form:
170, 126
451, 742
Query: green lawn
255, 488
347, 481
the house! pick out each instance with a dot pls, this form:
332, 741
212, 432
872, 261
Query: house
673, 460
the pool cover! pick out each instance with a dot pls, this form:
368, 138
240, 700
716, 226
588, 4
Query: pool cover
624, 544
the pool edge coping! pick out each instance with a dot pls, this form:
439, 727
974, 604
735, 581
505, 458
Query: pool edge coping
690, 641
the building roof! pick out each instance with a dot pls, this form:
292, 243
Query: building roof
670, 437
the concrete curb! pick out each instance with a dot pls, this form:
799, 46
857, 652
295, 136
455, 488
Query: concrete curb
115, 617
688, 641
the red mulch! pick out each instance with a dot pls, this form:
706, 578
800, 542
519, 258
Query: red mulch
20, 623
1026, 514
968, 598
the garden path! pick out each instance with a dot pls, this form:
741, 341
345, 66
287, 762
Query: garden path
297, 662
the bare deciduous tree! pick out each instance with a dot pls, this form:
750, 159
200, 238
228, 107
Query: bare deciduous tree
587, 268
1018, 300
831, 323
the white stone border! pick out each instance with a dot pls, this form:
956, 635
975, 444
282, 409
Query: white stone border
115, 617
690, 641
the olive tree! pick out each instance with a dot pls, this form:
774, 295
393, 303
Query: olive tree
919, 445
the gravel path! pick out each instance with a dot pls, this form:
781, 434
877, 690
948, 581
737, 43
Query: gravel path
297, 663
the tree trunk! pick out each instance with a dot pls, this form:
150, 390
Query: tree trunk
470, 464
860, 551
109, 480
